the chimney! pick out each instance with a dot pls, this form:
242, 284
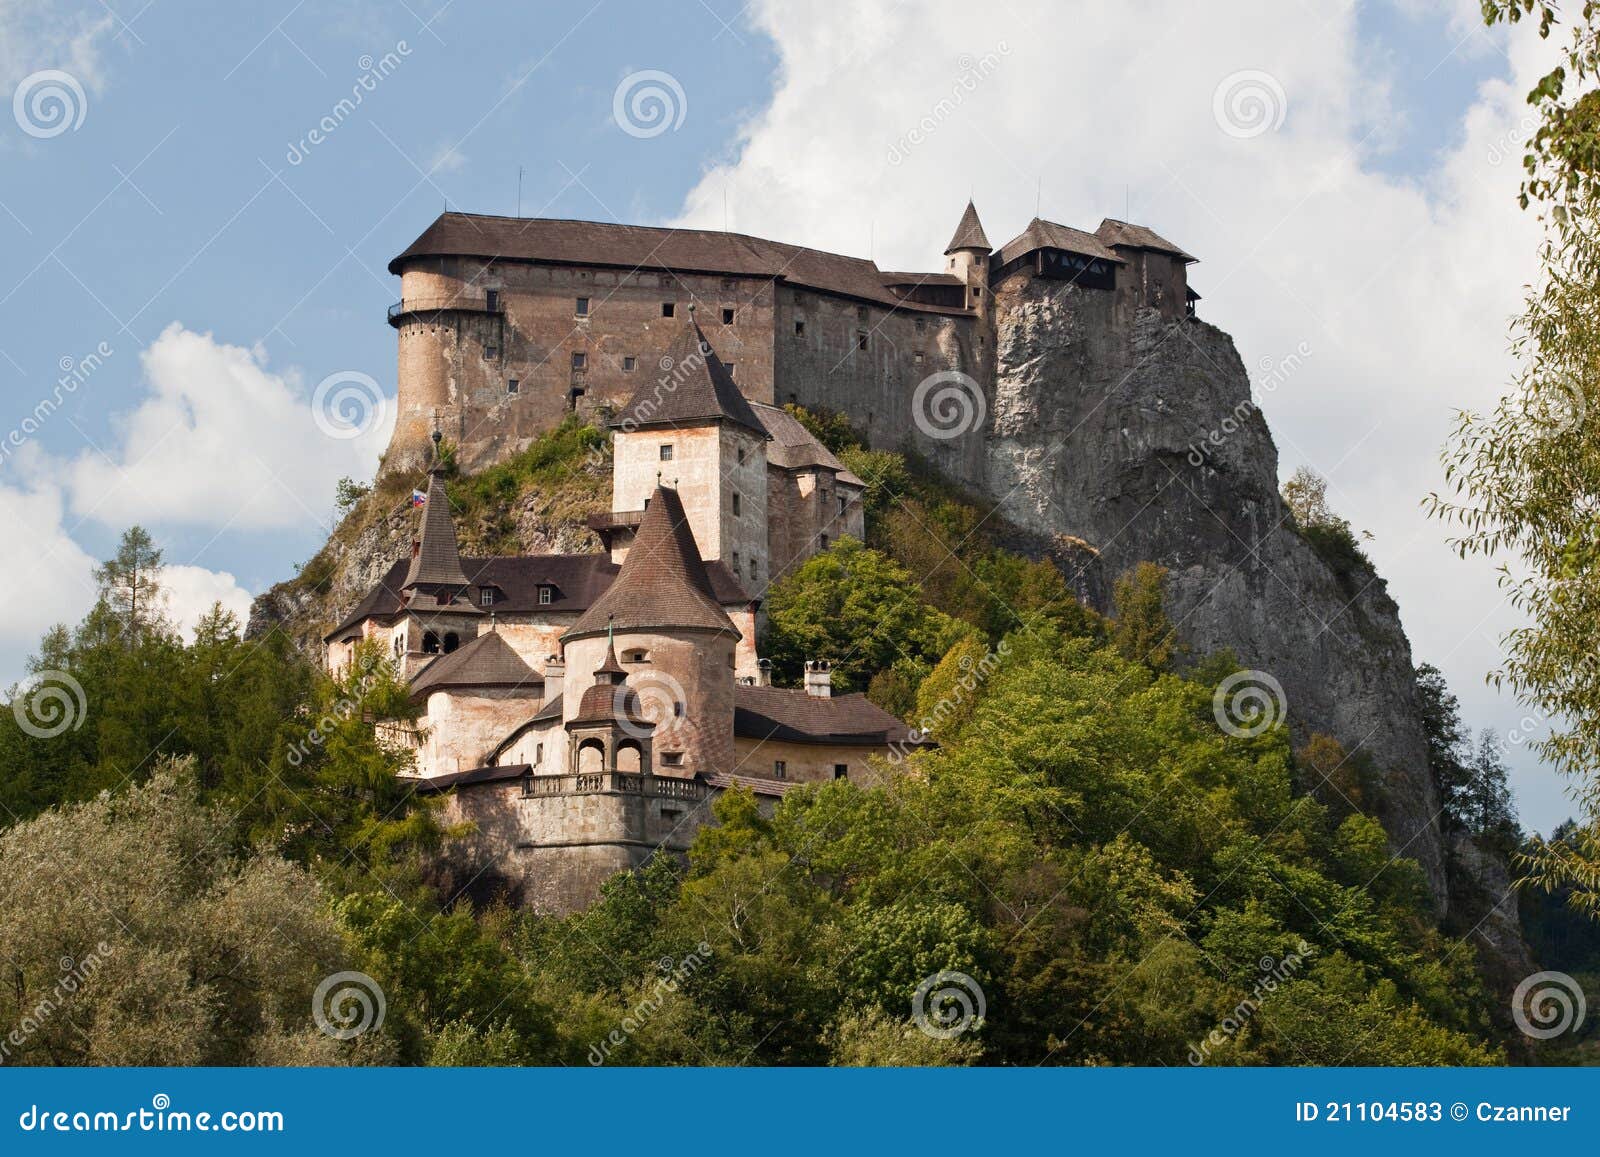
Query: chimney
555, 673
819, 678
763, 672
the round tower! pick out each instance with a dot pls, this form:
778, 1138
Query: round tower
967, 257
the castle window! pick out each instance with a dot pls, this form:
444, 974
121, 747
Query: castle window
580, 360
491, 300
672, 759
976, 291
824, 542
451, 642
628, 364
538, 754
735, 562
491, 352
668, 308
982, 341
582, 307
666, 452
736, 506
430, 643
841, 771
917, 357
861, 313
780, 769
677, 708
861, 341
636, 656
727, 316
752, 568
800, 327
544, 596
512, 385
843, 502
573, 395
486, 597
741, 455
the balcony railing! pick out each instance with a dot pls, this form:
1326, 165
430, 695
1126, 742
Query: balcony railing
625, 782
461, 302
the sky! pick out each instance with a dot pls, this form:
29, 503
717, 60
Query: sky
198, 201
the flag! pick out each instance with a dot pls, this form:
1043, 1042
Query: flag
418, 498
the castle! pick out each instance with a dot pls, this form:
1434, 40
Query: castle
585, 708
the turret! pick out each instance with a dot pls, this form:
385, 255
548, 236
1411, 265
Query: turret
967, 257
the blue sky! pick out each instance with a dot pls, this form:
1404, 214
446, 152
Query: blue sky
175, 202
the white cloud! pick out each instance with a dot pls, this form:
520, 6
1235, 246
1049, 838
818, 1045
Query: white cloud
43, 35
54, 571
222, 441
1402, 288
191, 591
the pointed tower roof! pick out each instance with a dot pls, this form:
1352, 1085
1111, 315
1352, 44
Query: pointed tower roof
969, 234
663, 582
437, 561
692, 389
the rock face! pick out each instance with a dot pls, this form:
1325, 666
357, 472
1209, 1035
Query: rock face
1102, 428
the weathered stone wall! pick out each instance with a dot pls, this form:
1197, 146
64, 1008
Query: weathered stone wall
803, 762
463, 728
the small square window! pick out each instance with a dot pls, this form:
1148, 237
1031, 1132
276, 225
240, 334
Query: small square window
800, 328
861, 341
841, 771
727, 316
491, 352
629, 364
582, 308
544, 596
580, 360
668, 308
780, 769
917, 357
824, 542
736, 506
672, 759
513, 386
666, 452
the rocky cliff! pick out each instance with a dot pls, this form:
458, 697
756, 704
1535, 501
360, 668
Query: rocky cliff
1101, 427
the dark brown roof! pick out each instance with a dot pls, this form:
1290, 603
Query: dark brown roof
437, 560
949, 279
643, 247
663, 582
577, 580
969, 233
757, 784
794, 448
487, 661
798, 716
1042, 234
1114, 232
695, 389
474, 776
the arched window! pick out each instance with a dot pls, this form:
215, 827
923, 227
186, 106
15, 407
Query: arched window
630, 756
591, 757
451, 642
430, 643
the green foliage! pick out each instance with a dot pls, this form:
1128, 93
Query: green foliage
1141, 632
562, 470
1306, 494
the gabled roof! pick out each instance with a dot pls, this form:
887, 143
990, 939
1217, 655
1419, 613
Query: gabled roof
793, 447
694, 388
1114, 232
437, 561
487, 661
476, 775
638, 247
969, 233
1042, 234
576, 580
663, 582
800, 717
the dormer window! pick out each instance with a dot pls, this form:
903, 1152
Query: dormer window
486, 597
545, 595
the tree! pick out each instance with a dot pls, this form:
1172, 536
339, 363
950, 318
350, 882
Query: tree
1142, 633
1485, 807
1306, 495
130, 583
1523, 477
347, 495
1440, 713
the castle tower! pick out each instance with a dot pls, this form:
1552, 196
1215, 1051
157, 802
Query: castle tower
610, 731
967, 257
439, 614
691, 430
675, 641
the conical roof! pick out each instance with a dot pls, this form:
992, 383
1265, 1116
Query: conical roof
663, 582
437, 561
969, 234
692, 389
487, 661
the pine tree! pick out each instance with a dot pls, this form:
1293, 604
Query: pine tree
130, 584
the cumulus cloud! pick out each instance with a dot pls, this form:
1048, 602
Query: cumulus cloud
59, 586
1401, 288
191, 591
220, 440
